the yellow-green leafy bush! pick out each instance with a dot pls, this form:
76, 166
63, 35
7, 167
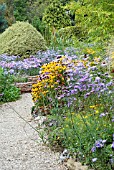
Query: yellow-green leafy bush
70, 31
21, 39
111, 54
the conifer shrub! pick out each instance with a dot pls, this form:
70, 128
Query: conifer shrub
56, 16
3, 21
21, 39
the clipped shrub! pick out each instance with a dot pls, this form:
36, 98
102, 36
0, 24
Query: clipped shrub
21, 39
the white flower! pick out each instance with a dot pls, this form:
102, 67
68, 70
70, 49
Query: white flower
94, 159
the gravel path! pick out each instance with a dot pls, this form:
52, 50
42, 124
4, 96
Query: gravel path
20, 146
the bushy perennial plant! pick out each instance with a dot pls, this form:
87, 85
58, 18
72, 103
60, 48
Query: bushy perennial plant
51, 77
79, 94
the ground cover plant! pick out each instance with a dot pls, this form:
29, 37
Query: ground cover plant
8, 91
31, 66
77, 96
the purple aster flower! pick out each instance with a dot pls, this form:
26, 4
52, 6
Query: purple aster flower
73, 91
87, 94
109, 84
112, 145
97, 79
93, 149
98, 144
112, 119
1, 94
102, 115
11, 71
113, 137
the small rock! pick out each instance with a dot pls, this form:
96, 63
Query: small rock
40, 119
73, 165
64, 156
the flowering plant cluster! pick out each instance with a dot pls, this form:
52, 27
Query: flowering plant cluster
51, 77
81, 98
30, 66
14, 65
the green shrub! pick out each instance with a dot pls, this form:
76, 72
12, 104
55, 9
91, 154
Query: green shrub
21, 39
56, 16
95, 18
20, 10
8, 92
69, 32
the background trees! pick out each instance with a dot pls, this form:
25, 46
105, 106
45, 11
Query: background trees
92, 19
55, 15
3, 21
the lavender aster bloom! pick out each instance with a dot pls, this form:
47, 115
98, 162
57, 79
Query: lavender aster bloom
97, 79
112, 119
112, 146
93, 149
98, 144
11, 71
102, 115
113, 137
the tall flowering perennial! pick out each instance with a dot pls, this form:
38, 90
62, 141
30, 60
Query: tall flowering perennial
51, 77
69, 79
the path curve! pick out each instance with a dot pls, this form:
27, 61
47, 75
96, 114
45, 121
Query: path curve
20, 145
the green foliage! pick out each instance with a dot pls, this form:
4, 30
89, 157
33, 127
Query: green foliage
55, 15
21, 39
9, 12
39, 25
20, 10
8, 92
29, 10
37, 8
69, 32
64, 2
3, 22
95, 20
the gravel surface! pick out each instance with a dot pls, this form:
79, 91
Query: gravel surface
20, 145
